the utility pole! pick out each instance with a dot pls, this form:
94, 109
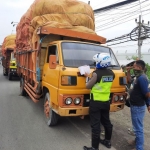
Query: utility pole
142, 30
12, 31
139, 38
139, 33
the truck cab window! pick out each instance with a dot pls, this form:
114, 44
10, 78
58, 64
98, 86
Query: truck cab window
52, 50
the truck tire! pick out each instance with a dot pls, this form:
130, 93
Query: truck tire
22, 90
9, 76
50, 116
4, 73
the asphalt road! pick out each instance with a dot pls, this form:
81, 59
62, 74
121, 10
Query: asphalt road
22, 125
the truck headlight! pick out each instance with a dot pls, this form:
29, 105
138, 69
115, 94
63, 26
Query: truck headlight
121, 98
77, 101
116, 98
68, 101
13, 70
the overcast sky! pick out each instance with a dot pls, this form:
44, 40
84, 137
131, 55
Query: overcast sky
109, 24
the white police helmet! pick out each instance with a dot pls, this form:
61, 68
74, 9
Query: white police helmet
103, 60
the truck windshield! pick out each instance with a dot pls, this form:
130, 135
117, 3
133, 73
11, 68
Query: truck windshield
79, 54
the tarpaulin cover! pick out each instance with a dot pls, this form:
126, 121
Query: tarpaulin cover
8, 43
68, 14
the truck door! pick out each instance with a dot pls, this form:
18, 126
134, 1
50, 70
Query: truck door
51, 76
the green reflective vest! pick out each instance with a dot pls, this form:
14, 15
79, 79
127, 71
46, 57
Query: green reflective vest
101, 91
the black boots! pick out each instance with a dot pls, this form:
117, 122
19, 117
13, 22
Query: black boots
106, 143
89, 148
95, 143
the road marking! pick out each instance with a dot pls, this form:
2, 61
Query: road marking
79, 129
88, 136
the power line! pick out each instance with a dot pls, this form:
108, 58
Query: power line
135, 4
118, 23
131, 35
103, 13
122, 40
115, 19
127, 16
145, 33
114, 6
139, 33
127, 45
101, 3
125, 12
118, 16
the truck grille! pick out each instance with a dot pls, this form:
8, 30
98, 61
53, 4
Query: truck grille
86, 101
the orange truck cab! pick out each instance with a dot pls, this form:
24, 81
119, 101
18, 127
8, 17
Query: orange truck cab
50, 72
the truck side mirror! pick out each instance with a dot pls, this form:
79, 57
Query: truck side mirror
52, 62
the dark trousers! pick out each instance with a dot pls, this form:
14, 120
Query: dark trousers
99, 114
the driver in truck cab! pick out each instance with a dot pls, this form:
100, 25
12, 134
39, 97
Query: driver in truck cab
100, 85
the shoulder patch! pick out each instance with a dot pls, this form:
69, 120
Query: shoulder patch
107, 79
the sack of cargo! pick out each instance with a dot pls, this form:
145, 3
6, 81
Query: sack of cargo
8, 43
68, 14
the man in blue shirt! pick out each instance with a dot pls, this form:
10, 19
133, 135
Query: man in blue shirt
139, 96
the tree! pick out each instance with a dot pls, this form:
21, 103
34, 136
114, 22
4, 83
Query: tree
0, 50
148, 71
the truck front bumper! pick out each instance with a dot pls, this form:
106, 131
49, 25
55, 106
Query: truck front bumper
82, 111
13, 74
116, 107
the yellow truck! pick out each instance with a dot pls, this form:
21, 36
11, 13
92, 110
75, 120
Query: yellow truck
8, 59
48, 67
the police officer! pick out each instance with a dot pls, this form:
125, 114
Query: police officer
100, 85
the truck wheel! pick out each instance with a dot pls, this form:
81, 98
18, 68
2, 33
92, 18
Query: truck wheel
50, 116
9, 76
4, 73
22, 90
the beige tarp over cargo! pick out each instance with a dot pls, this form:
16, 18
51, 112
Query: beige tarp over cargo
8, 43
69, 14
